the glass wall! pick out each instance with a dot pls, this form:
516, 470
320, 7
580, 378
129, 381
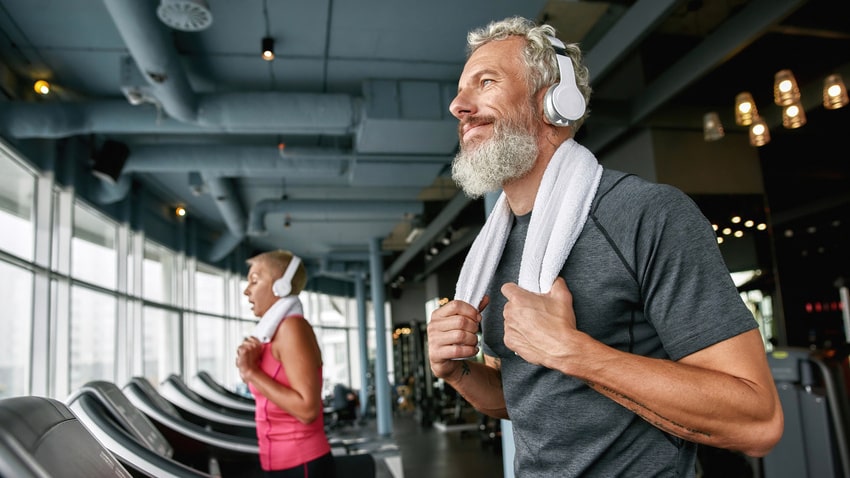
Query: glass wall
98, 301
93, 339
93, 254
16, 287
215, 355
17, 199
209, 290
161, 347
17, 206
158, 270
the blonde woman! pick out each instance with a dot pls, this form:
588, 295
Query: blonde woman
282, 365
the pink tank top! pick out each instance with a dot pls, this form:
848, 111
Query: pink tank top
284, 441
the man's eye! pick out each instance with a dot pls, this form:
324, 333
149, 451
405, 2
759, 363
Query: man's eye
486, 81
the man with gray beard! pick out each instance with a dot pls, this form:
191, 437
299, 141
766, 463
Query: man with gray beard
613, 337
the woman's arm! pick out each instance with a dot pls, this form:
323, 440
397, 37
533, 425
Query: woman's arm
295, 346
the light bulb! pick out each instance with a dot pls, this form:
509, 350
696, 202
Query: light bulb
41, 87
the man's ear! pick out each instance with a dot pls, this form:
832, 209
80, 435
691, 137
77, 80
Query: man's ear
539, 98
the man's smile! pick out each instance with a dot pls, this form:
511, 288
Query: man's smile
470, 129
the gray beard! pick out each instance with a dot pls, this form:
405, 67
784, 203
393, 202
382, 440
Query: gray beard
508, 155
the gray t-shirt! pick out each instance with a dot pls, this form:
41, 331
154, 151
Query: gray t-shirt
646, 277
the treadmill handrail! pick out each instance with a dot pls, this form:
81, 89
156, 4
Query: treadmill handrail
205, 386
834, 399
16, 461
145, 403
137, 424
90, 410
178, 394
42, 437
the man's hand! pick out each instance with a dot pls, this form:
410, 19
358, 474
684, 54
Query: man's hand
537, 326
452, 335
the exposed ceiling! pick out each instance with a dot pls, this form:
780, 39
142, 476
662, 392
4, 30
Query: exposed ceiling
345, 138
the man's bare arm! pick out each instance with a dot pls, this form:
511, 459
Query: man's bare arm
481, 385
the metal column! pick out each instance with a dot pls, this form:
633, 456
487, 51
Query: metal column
363, 341
383, 407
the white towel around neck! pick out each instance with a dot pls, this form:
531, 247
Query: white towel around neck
560, 210
281, 309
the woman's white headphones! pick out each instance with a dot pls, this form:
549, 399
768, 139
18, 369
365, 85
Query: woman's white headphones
563, 102
283, 286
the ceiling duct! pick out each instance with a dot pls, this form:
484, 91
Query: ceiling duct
328, 209
185, 15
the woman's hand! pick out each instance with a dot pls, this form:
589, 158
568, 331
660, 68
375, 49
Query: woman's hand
248, 357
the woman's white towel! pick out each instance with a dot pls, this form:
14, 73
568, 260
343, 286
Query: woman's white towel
281, 309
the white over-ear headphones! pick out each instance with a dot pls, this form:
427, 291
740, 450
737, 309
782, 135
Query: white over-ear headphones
283, 286
563, 102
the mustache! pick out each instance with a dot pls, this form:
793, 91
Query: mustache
474, 121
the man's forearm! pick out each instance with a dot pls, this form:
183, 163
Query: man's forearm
481, 385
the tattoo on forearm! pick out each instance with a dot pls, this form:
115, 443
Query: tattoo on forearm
465, 366
643, 411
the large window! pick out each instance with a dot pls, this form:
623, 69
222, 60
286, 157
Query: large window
93, 255
161, 348
93, 313
16, 323
209, 290
214, 353
158, 274
17, 186
92, 336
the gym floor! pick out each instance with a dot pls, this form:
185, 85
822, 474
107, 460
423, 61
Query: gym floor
427, 451
446, 452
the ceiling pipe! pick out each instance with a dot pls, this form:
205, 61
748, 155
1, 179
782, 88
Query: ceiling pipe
151, 46
257, 161
342, 270
103, 192
228, 204
223, 246
272, 111
329, 165
347, 209
293, 113
348, 256
239, 160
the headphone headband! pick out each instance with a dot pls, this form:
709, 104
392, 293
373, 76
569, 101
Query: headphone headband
283, 286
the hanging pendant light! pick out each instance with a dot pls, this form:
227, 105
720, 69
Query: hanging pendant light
785, 89
759, 133
793, 116
834, 92
268, 48
712, 128
745, 109
41, 87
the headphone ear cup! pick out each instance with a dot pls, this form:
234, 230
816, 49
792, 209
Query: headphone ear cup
282, 287
563, 102
550, 112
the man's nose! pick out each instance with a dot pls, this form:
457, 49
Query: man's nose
460, 106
